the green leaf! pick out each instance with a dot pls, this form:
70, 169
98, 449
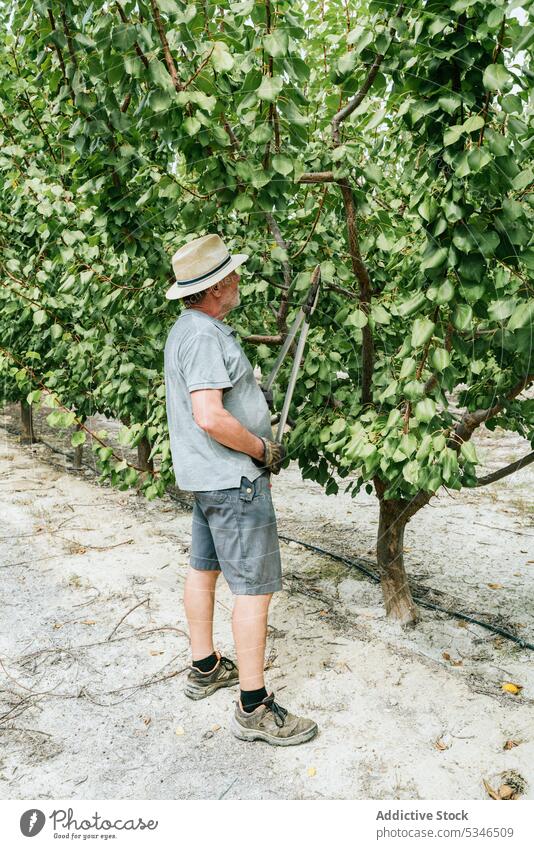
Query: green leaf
473, 123
158, 74
283, 164
243, 203
261, 134
496, 77
435, 258
77, 438
523, 179
411, 305
467, 450
422, 331
498, 144
522, 316
347, 63
410, 472
221, 57
462, 317
356, 318
159, 100
445, 293
428, 208
425, 410
408, 368
477, 158
33, 397
499, 310
380, 314
191, 125
270, 88
277, 43
452, 134
440, 359
450, 103
39, 317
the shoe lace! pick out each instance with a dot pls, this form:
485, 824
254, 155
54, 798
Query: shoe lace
278, 711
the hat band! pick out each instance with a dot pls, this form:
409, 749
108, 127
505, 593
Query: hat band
204, 276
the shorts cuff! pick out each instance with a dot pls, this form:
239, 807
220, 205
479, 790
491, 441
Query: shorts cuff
262, 589
202, 566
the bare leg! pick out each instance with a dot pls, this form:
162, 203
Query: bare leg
199, 599
249, 625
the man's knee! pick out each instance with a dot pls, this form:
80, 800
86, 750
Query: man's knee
202, 577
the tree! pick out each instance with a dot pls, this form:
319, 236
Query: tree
393, 150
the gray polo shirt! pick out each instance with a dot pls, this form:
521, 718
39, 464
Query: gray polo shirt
202, 352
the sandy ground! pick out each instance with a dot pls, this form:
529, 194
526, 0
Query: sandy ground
91, 707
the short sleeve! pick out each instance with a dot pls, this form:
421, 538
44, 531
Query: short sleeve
202, 363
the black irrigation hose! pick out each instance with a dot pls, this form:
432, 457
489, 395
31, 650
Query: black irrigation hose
465, 616
358, 564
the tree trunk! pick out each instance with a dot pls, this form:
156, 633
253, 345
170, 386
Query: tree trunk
143, 453
389, 550
77, 459
26, 421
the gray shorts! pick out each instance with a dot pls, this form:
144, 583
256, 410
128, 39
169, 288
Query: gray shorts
234, 530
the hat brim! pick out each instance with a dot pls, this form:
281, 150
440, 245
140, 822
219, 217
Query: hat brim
178, 290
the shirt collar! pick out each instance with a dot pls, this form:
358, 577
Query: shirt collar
225, 328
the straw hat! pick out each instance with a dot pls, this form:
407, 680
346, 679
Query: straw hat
201, 263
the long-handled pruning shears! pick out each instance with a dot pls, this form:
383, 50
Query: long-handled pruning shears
302, 317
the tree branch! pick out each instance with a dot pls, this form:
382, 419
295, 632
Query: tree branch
257, 339
317, 177
281, 318
362, 275
169, 61
369, 80
470, 421
138, 50
506, 470
314, 225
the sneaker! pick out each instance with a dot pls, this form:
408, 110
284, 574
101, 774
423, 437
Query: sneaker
202, 684
272, 723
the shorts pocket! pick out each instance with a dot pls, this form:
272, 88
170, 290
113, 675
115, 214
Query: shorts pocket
250, 490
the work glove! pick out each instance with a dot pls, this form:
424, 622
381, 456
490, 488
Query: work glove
274, 455
268, 395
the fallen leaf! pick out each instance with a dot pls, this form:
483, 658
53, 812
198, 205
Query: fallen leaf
179, 731
156, 652
215, 727
58, 624
495, 586
509, 687
491, 792
441, 745
510, 744
446, 656
88, 621
506, 792
147, 720
311, 771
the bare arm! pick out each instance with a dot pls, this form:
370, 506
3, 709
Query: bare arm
211, 416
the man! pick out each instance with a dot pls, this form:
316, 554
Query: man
223, 452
